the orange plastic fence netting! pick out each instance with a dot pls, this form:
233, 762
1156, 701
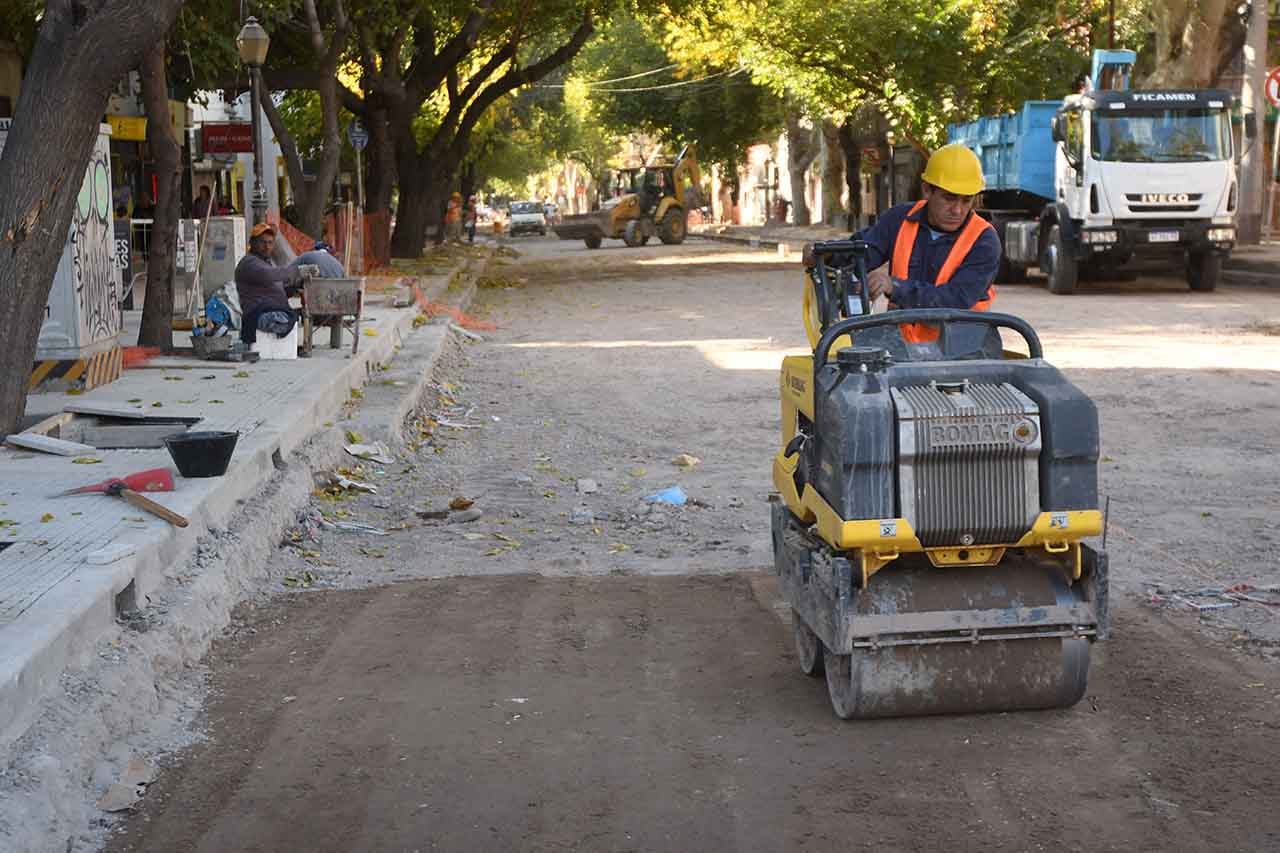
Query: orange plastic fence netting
138, 356
370, 238
462, 318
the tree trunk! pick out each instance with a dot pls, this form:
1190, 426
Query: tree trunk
803, 145
380, 158
80, 54
157, 310
1196, 42
833, 212
413, 216
311, 195
467, 181
852, 172
438, 191
422, 202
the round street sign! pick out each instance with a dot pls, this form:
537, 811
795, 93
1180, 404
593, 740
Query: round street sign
359, 136
1272, 87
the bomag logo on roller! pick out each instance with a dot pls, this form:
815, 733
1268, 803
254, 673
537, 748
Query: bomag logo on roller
971, 432
797, 383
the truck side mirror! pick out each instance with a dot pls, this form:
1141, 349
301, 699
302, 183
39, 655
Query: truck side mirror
1251, 125
1055, 129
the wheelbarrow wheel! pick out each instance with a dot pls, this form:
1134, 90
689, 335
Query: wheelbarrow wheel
808, 647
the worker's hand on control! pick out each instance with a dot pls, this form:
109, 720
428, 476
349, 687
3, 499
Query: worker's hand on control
879, 283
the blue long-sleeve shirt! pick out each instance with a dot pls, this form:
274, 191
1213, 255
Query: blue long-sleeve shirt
968, 284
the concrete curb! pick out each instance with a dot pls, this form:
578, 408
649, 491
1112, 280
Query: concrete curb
63, 628
754, 242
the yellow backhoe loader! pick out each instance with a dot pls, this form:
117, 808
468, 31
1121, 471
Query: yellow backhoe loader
654, 200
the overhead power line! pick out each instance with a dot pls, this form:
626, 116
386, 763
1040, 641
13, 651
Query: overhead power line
676, 84
595, 85
592, 83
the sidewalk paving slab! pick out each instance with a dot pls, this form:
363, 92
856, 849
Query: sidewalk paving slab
53, 605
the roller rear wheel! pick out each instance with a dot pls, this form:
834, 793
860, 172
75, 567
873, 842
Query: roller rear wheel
839, 671
808, 647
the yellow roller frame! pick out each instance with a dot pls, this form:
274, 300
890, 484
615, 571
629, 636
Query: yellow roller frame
885, 539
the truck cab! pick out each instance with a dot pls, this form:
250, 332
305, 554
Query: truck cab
1145, 173
1086, 184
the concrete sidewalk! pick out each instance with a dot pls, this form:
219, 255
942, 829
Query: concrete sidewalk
1263, 259
54, 606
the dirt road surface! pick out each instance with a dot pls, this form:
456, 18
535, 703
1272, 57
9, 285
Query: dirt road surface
580, 670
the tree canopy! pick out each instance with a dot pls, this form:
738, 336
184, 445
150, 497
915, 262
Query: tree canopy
629, 81
923, 64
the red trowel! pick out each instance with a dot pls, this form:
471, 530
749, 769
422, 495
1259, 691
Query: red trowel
130, 487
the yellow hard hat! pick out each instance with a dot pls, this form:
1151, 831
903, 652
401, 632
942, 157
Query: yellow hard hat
955, 169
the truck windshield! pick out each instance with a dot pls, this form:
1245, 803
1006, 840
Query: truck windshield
1167, 136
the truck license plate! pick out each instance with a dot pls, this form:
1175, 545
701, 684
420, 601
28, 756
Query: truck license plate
1163, 237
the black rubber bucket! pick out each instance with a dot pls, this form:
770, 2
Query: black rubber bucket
202, 454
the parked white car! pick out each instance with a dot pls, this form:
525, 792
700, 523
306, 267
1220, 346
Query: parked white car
526, 216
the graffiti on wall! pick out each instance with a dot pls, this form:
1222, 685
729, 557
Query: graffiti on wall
94, 269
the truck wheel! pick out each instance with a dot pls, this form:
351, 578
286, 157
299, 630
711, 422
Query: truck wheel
1062, 269
1203, 270
672, 228
593, 242
631, 234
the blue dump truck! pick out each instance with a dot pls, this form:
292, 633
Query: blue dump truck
1081, 186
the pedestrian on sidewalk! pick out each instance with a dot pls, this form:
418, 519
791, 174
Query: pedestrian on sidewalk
470, 218
453, 219
264, 288
203, 204
936, 252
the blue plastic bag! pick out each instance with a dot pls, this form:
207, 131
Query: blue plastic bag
674, 496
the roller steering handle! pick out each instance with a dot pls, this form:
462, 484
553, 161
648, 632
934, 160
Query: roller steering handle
926, 315
816, 258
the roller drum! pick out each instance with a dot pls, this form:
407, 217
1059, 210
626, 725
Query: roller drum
941, 672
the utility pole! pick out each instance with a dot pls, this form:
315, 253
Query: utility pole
1253, 102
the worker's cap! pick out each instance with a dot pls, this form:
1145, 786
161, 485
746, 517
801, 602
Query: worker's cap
457, 195
322, 246
260, 229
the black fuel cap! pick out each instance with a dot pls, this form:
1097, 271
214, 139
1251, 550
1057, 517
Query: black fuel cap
864, 359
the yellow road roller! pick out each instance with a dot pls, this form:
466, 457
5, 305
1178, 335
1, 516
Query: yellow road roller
932, 509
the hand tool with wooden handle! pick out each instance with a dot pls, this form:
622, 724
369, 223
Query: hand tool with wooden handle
153, 480
118, 489
129, 488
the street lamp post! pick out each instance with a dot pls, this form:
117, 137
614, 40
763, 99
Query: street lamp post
253, 43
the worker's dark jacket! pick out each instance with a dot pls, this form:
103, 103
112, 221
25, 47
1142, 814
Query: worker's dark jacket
968, 284
261, 287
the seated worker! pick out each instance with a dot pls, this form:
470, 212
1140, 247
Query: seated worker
321, 256
264, 288
936, 253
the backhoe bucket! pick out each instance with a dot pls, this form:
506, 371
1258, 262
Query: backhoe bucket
582, 226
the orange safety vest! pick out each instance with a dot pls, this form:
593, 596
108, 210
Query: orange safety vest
923, 333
